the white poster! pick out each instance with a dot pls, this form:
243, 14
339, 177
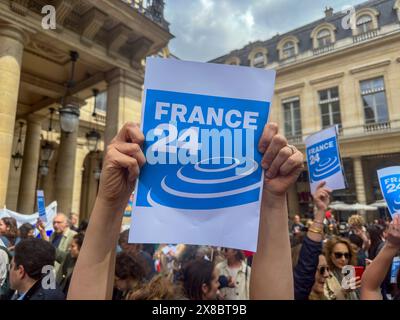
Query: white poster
389, 180
202, 181
324, 161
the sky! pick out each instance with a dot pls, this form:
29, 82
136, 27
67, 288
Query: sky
207, 29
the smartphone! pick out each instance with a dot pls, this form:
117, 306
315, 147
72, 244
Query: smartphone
359, 271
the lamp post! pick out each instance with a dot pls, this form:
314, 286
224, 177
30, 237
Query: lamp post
18, 156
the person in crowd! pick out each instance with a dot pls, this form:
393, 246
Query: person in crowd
321, 275
339, 252
297, 226
9, 232
129, 275
375, 273
123, 160
237, 271
26, 231
358, 243
376, 241
62, 236
135, 249
73, 221
5, 259
83, 226
27, 272
64, 273
308, 261
158, 288
200, 280
357, 226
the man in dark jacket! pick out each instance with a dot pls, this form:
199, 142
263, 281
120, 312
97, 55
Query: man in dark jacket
31, 271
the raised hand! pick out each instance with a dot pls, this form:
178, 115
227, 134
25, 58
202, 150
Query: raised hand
322, 196
122, 164
283, 163
393, 237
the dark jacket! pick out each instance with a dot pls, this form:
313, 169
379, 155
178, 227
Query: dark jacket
37, 292
64, 274
304, 272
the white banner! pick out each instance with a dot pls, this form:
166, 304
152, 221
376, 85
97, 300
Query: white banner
51, 211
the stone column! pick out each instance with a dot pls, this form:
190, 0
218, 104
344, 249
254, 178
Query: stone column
12, 41
65, 171
28, 180
124, 95
359, 180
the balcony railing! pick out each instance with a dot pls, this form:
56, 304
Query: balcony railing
298, 139
365, 36
324, 49
153, 9
375, 127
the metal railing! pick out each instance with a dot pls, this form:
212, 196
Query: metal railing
152, 9
297, 139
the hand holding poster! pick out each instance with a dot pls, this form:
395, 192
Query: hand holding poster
41, 206
324, 161
202, 178
389, 180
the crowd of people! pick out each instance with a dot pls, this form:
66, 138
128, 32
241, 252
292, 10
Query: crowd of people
302, 259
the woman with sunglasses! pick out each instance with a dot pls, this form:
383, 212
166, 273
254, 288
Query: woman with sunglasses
321, 275
340, 253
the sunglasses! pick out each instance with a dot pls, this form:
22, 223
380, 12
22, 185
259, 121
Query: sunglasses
339, 255
322, 270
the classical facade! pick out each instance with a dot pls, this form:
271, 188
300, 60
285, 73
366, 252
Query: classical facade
338, 71
53, 61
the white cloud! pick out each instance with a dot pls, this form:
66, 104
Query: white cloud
206, 29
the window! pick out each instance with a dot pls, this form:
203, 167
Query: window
101, 101
324, 38
289, 50
291, 109
365, 24
259, 60
330, 107
374, 100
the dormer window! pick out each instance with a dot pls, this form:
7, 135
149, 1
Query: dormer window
364, 24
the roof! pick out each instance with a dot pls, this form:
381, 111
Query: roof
386, 16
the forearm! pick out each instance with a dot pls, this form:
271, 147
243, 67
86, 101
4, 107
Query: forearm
304, 272
271, 276
376, 272
93, 275
318, 223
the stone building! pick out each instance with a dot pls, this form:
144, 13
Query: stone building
338, 71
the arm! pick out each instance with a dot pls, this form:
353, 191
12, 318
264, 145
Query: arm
304, 272
376, 272
93, 276
271, 274
42, 230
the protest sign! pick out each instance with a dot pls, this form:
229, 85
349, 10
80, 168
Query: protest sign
324, 161
389, 181
202, 181
41, 205
395, 270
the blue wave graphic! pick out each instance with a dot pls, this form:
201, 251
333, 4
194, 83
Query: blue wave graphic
206, 185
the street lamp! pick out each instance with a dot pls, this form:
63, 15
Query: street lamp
69, 118
43, 168
69, 112
47, 148
93, 136
18, 156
